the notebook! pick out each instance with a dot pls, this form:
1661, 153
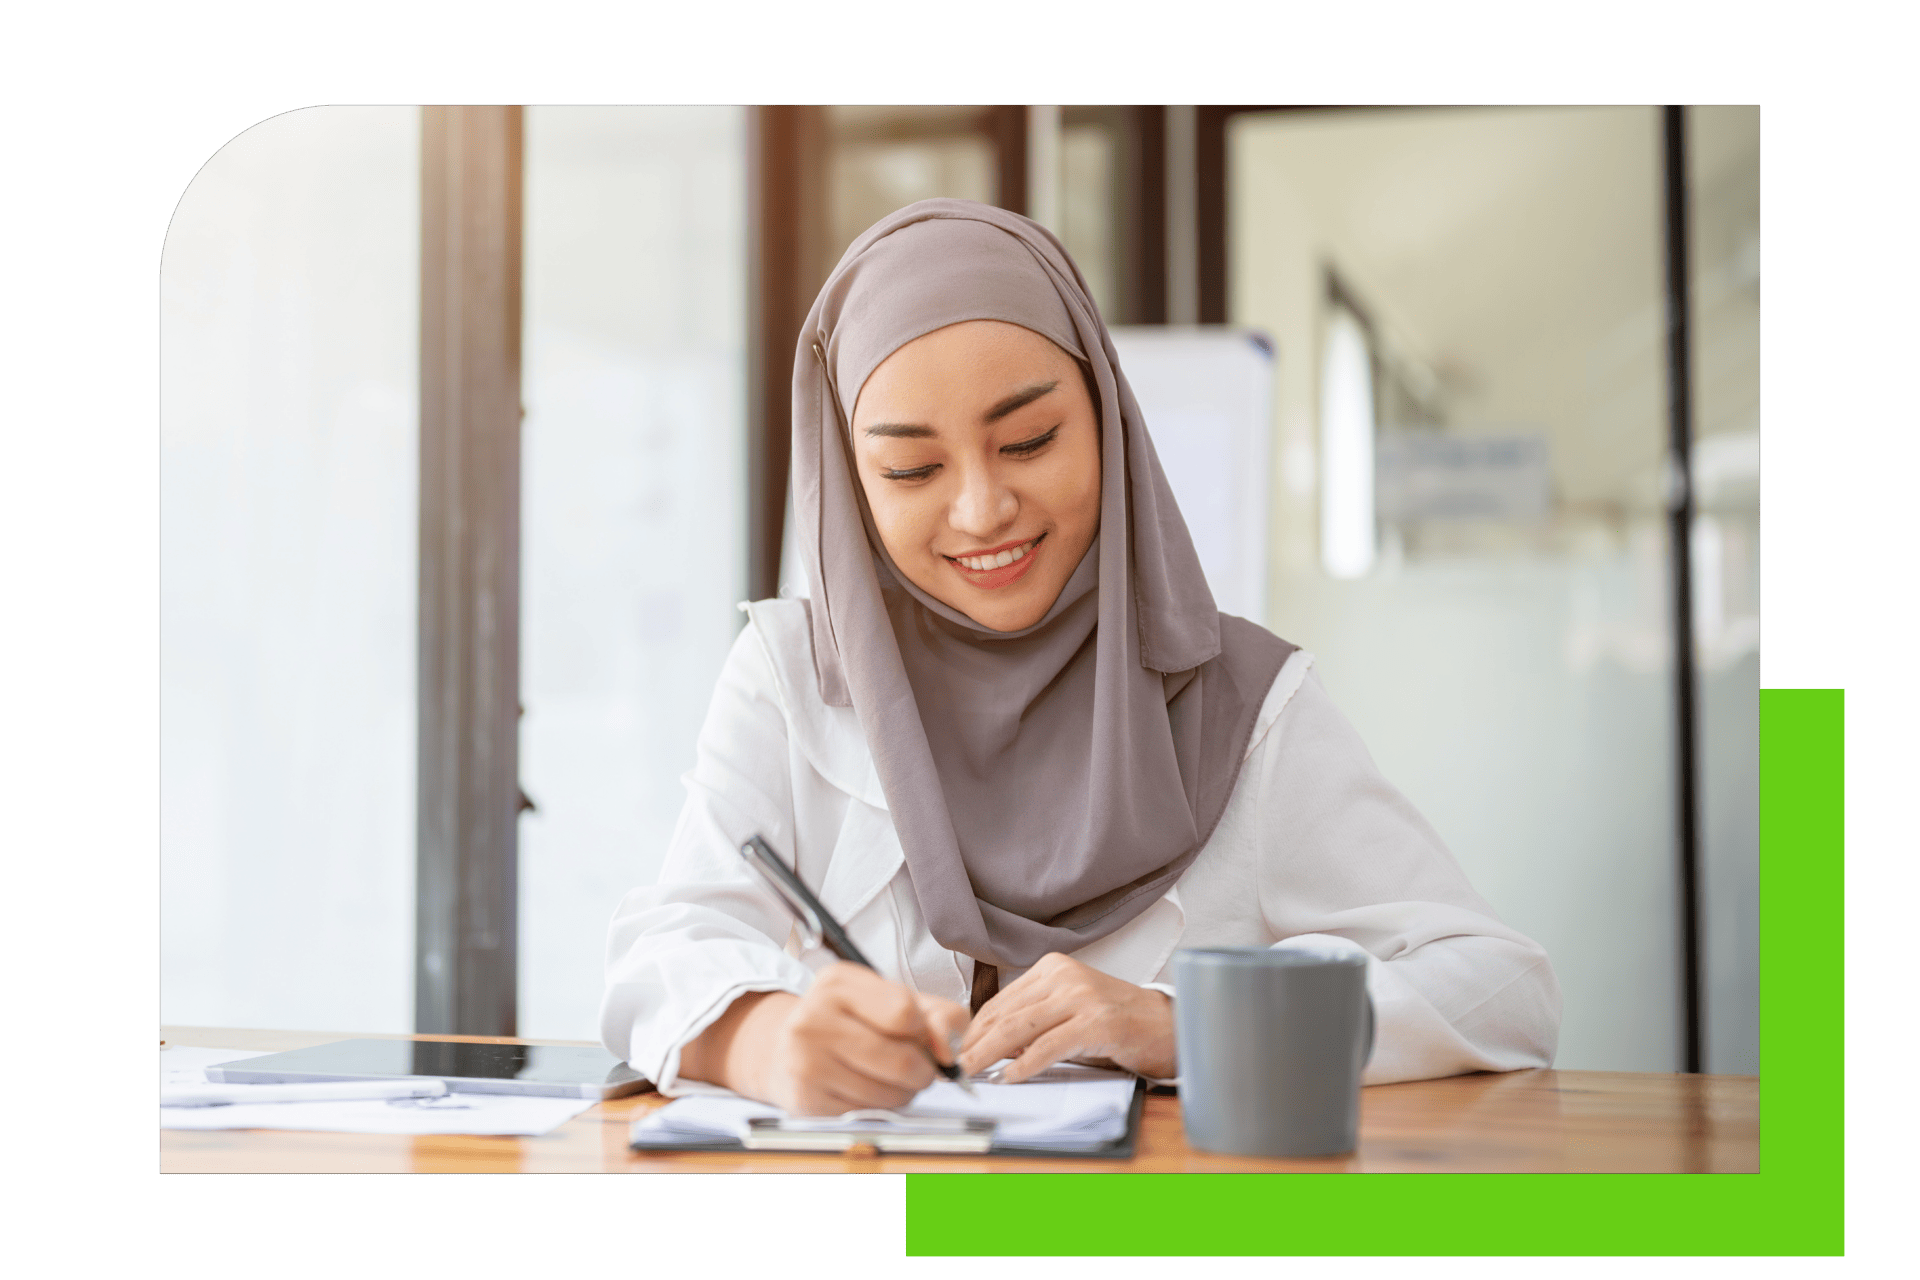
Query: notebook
1064, 1111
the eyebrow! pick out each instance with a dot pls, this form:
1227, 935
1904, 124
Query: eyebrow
1019, 400
915, 431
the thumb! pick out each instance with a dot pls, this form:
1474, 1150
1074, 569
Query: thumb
946, 1025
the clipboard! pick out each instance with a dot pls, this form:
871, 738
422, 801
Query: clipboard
834, 1142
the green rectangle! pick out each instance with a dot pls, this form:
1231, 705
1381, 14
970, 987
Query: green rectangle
1794, 1205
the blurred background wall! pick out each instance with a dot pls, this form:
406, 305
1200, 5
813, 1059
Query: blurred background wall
1506, 657
633, 536
1452, 322
290, 302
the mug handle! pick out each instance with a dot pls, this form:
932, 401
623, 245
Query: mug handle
1366, 1054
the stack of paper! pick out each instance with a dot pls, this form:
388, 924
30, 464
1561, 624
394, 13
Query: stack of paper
476, 1113
1071, 1110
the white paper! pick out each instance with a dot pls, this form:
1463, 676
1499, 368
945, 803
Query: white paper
473, 1113
184, 1065
1071, 1110
221, 1095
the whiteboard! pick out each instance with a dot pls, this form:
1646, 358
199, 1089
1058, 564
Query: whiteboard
1207, 396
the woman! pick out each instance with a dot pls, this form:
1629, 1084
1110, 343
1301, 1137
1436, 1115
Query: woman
1011, 743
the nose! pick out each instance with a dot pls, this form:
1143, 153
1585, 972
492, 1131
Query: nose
984, 505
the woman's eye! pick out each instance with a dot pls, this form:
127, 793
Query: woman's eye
1034, 445
911, 473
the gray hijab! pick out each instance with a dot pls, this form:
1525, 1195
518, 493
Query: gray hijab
1049, 784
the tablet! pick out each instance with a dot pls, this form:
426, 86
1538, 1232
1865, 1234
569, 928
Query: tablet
552, 1071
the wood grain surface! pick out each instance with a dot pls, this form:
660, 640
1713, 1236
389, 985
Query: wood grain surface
1539, 1121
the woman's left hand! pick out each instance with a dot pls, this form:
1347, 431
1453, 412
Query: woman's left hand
1061, 1010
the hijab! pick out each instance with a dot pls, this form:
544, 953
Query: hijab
1048, 784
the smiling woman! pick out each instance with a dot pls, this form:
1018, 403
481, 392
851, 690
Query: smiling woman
979, 454
1011, 743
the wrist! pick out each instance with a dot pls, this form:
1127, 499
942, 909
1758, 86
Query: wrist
732, 1051
1160, 1060
749, 1050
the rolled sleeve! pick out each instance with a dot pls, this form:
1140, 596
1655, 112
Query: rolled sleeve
1348, 862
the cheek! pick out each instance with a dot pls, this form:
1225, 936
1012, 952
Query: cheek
900, 520
1074, 493
1090, 493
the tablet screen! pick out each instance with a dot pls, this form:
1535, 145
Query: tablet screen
529, 1066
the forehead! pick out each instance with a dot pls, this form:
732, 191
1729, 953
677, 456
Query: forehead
973, 363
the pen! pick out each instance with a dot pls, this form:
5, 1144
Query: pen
822, 927
223, 1095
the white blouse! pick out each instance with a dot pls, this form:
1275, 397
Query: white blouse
1315, 848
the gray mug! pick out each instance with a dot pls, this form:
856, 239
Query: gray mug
1271, 1047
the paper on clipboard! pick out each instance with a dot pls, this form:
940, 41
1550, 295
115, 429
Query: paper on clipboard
1068, 1109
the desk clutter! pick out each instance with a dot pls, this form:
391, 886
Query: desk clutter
1539, 1121
403, 1107
1065, 1111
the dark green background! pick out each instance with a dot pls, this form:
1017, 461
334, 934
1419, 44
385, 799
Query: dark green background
110, 114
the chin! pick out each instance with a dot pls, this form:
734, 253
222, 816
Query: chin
1010, 608
1008, 615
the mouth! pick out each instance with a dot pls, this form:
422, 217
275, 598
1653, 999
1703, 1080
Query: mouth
997, 566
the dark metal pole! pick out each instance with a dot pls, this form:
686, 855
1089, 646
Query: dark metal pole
785, 211
772, 252
1680, 543
1007, 126
1143, 216
467, 889
1210, 210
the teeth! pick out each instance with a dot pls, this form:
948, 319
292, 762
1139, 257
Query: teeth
1000, 561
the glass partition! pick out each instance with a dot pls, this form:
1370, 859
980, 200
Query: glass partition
289, 321
633, 509
1505, 654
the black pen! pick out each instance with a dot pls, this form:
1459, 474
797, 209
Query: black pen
822, 927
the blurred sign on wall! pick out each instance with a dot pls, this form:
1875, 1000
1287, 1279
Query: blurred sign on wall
1426, 475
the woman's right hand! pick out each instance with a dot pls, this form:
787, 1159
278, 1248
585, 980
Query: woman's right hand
853, 1040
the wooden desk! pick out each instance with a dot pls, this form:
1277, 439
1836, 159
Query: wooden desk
1521, 1122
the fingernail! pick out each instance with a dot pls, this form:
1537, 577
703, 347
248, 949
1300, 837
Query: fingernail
953, 1042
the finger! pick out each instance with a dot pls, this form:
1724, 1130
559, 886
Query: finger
852, 1091
1012, 1033
993, 1032
1067, 1040
994, 1014
856, 1066
895, 1064
828, 1030
887, 1007
843, 1093
854, 1080
946, 1026
1051, 975
1013, 1004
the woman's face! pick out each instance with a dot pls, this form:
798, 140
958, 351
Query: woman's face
979, 451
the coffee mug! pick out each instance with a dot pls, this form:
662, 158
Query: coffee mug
1271, 1047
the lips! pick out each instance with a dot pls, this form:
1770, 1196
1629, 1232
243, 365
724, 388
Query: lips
1019, 558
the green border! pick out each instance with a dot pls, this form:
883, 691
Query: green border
1793, 1206
112, 110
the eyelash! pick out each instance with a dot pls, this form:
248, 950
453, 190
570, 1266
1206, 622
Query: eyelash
1024, 449
1034, 445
